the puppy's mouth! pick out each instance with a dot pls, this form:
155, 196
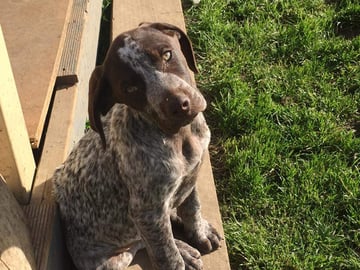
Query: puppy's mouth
171, 127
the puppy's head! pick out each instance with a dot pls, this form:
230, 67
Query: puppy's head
147, 69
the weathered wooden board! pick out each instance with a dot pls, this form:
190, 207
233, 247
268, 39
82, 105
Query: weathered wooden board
127, 14
68, 67
17, 163
16, 251
66, 126
40, 218
34, 33
69, 112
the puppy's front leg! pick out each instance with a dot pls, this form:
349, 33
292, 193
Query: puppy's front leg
152, 220
199, 232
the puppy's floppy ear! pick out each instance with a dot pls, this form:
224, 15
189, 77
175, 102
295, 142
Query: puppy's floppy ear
185, 43
100, 100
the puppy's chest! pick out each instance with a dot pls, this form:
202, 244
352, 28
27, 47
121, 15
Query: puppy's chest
188, 155
187, 152
191, 152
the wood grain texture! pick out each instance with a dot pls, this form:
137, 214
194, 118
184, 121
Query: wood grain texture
16, 251
66, 126
40, 218
128, 14
68, 68
17, 162
67, 122
86, 65
34, 32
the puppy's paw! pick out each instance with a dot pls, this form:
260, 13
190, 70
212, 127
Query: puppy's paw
190, 255
205, 237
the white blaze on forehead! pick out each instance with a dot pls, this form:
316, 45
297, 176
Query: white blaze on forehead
132, 54
130, 48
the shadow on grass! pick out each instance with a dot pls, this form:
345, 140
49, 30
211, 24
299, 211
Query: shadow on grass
347, 20
347, 23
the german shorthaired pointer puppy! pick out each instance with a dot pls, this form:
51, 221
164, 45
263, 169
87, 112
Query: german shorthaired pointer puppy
121, 191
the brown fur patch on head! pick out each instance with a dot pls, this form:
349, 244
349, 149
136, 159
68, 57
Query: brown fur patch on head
185, 43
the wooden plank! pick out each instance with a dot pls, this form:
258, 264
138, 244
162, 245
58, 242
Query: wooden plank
210, 209
69, 112
66, 126
127, 14
68, 68
16, 251
34, 32
56, 143
17, 163
85, 66
40, 219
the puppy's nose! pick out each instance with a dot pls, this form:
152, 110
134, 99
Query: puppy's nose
180, 105
176, 106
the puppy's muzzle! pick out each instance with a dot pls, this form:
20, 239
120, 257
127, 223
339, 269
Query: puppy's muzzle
179, 107
175, 102
182, 107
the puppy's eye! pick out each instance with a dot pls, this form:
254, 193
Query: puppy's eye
167, 56
131, 89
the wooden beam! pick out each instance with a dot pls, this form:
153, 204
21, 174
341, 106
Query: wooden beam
17, 163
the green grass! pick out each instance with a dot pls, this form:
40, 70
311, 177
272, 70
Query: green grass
283, 82
105, 29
